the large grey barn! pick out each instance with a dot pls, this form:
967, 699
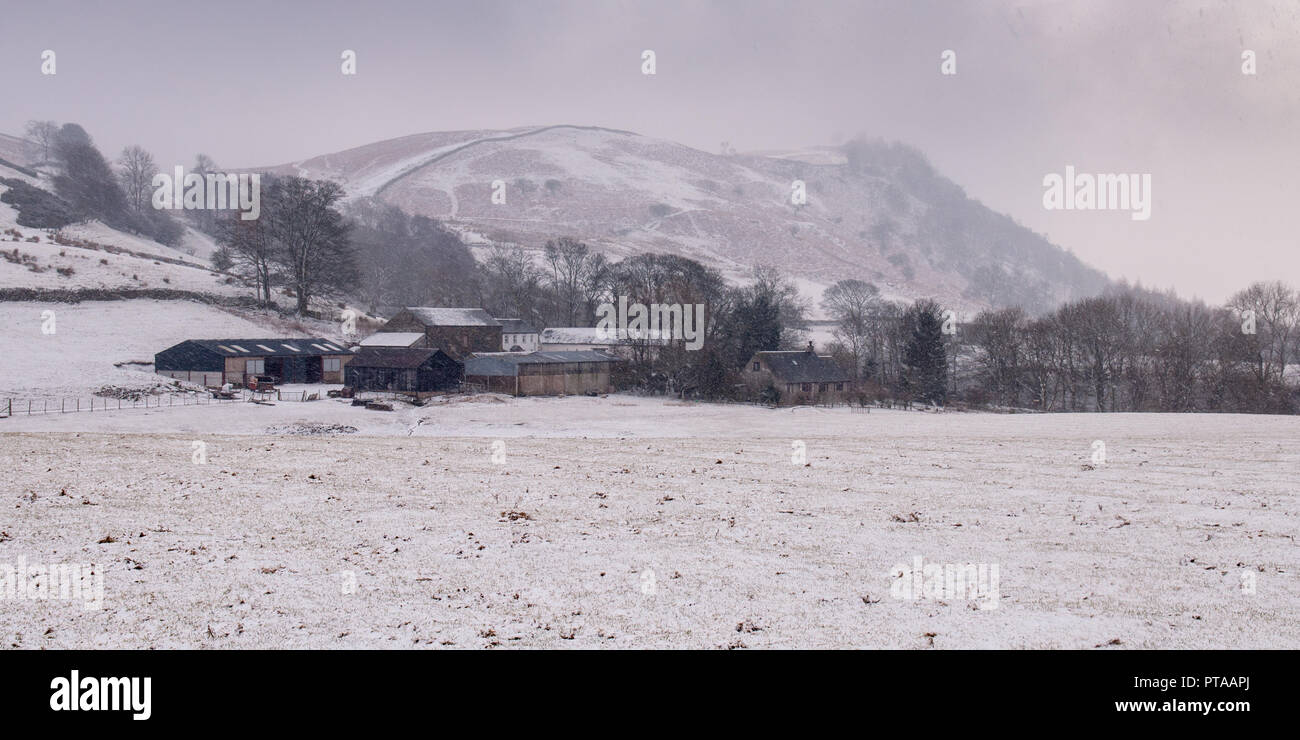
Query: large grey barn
214, 362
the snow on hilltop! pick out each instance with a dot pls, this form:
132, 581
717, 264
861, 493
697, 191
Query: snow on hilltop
874, 211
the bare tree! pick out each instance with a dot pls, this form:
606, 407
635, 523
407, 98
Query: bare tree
853, 304
135, 170
310, 235
513, 283
1275, 310
42, 134
998, 337
570, 262
251, 250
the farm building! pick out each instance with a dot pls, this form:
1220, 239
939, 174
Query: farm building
802, 376
518, 336
571, 338
395, 339
413, 370
541, 373
215, 362
456, 331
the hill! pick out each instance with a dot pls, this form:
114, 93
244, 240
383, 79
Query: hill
874, 211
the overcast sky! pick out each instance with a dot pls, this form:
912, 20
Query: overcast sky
1108, 86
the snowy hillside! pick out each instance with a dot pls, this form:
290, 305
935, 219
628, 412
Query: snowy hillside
877, 212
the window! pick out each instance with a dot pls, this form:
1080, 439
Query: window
330, 364
806, 387
821, 387
254, 367
839, 386
757, 367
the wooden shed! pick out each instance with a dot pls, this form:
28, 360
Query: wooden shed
411, 370
541, 373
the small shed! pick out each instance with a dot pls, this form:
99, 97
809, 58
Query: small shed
411, 370
541, 373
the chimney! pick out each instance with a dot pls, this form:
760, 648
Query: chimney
811, 351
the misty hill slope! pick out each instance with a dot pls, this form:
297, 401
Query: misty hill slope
874, 211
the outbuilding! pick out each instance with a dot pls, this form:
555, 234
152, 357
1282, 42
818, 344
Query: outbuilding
411, 370
215, 362
456, 331
541, 373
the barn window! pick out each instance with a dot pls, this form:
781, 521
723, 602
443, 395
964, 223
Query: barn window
254, 367
330, 364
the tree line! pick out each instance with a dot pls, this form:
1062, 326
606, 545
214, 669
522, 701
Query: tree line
1128, 349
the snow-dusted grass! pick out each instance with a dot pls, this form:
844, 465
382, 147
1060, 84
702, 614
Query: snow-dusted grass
260, 547
91, 268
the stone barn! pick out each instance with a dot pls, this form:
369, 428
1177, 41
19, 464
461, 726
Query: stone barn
541, 373
456, 331
411, 370
802, 376
215, 362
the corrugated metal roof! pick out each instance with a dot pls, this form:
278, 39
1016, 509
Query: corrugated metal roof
392, 339
431, 316
507, 363
596, 335
280, 347
391, 357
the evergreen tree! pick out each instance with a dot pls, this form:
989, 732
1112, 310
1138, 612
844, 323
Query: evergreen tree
925, 361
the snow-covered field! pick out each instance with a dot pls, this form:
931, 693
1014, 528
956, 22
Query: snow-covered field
629, 522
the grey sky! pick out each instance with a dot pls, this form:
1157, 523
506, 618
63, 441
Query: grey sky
1104, 85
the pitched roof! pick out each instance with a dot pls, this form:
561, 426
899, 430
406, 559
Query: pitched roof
507, 363
298, 347
391, 357
430, 316
516, 326
597, 335
392, 339
802, 366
